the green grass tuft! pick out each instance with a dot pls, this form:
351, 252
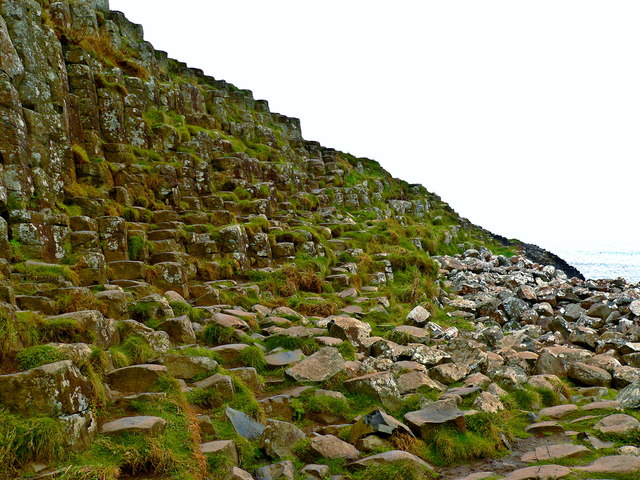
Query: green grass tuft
33, 357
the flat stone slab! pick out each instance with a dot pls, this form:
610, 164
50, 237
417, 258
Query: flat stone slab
390, 457
618, 423
541, 472
320, 366
141, 424
559, 411
477, 476
602, 405
541, 428
281, 359
422, 421
553, 452
613, 464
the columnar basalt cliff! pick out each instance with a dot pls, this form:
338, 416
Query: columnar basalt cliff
189, 289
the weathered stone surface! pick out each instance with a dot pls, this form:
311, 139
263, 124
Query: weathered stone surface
329, 446
284, 358
618, 423
589, 375
629, 396
244, 425
487, 402
179, 330
423, 421
553, 452
238, 474
558, 411
381, 386
276, 471
143, 424
222, 384
412, 381
541, 428
278, 438
419, 315
53, 389
390, 457
377, 422
613, 464
321, 366
350, 329
543, 472
225, 447
187, 367
136, 378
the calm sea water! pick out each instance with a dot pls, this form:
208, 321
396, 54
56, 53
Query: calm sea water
605, 264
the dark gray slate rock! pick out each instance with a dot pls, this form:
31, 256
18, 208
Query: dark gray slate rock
244, 425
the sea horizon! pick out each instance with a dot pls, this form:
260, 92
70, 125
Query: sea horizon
605, 263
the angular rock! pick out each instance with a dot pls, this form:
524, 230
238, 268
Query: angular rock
350, 329
278, 438
179, 330
319, 367
224, 447
276, 471
377, 422
381, 386
244, 425
589, 375
330, 446
422, 422
487, 402
53, 389
629, 396
419, 315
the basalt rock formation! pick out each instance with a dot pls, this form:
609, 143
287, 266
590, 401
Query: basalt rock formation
189, 289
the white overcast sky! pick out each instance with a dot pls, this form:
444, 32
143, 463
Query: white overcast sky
523, 115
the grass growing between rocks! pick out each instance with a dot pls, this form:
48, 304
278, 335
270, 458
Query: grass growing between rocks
483, 437
308, 345
403, 470
135, 350
28, 440
41, 272
172, 453
33, 357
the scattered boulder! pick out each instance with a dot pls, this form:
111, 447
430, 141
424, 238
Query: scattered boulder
278, 438
329, 446
319, 367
